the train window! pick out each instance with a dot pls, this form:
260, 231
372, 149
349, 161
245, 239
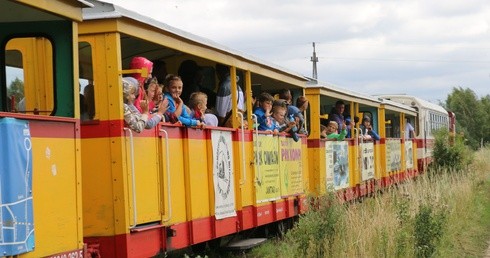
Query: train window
86, 81
15, 79
29, 72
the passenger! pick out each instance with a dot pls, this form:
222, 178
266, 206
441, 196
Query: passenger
173, 89
367, 131
285, 94
297, 113
198, 105
323, 132
132, 117
140, 63
286, 122
409, 130
337, 114
332, 129
158, 98
264, 119
151, 86
351, 124
223, 97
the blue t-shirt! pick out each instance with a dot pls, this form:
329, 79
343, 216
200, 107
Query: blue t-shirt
265, 122
184, 117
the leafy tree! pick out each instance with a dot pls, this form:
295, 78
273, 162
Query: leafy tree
471, 114
485, 101
16, 88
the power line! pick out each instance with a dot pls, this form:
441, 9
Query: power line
405, 60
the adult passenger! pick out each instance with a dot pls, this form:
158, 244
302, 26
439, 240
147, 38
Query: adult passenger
132, 117
409, 130
223, 97
337, 114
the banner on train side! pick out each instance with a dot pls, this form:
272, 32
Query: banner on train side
290, 164
337, 165
267, 183
367, 160
16, 212
393, 155
409, 154
224, 187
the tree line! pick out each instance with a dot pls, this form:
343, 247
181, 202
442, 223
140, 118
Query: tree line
472, 115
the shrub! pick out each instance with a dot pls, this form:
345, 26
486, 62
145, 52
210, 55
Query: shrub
429, 227
450, 154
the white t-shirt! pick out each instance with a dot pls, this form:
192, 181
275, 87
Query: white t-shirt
408, 128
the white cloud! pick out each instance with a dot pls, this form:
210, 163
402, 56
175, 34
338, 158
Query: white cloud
419, 47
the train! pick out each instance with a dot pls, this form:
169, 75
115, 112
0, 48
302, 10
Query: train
75, 185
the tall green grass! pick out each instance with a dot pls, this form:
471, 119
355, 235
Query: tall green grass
446, 214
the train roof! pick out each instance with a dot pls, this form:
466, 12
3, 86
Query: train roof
329, 89
413, 102
104, 10
398, 107
35, 10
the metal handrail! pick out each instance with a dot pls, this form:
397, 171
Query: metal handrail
256, 143
167, 160
244, 172
358, 133
133, 177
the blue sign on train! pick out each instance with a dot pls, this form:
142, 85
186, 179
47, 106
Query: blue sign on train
16, 216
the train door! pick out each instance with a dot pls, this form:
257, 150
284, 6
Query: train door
37, 100
112, 153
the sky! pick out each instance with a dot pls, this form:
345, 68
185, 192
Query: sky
416, 47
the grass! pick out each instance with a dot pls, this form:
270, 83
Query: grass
446, 214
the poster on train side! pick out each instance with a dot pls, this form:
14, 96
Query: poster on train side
409, 154
223, 180
367, 161
393, 155
290, 164
267, 178
337, 165
16, 210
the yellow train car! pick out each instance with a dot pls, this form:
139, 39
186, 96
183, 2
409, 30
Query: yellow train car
346, 166
41, 214
172, 186
359, 165
400, 154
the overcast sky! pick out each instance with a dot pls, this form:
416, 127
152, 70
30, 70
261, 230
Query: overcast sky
418, 47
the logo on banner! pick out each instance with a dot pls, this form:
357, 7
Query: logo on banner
223, 157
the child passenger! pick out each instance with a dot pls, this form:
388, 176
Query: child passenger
263, 113
198, 103
173, 89
332, 128
282, 123
323, 132
367, 131
132, 117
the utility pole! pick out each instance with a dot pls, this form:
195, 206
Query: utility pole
314, 59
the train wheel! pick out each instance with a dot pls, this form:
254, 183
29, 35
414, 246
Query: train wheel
281, 228
199, 249
215, 244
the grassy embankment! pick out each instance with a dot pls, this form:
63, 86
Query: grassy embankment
444, 215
